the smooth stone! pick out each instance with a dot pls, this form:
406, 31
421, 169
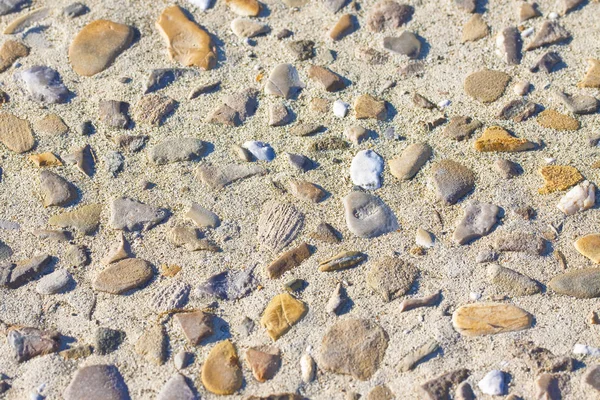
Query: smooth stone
244, 28
367, 106
196, 326
228, 285
52, 235
493, 383
507, 169
221, 373
356, 134
16, 133
152, 345
182, 359
284, 81
582, 197
10, 52
439, 387
202, 217
353, 347
55, 190
152, 109
97, 46
42, 84
527, 11
461, 128
264, 363
343, 27
244, 8
554, 120
325, 233
514, 283
236, 108
334, 5
76, 353
85, 218
551, 32
388, 14
547, 387
278, 224
366, 169
76, 9
27, 343
330, 81
172, 295
108, 340
424, 238
409, 163
592, 377
282, 312
589, 246
578, 104
190, 239
498, 139
219, 177
546, 62
124, 275
391, 277
300, 162
451, 181
489, 319
367, 216
176, 150
407, 44
306, 191
176, 388
279, 115
486, 85
97, 382
508, 45
131, 215
260, 150
474, 29
466, 5
187, 43
559, 177
308, 368
55, 282
241, 153
478, 221
10, 6
582, 283
592, 76
302, 50
337, 301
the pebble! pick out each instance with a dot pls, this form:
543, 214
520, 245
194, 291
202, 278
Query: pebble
176, 388
461, 128
413, 158
343, 27
202, 217
498, 139
189, 238
152, 109
340, 109
113, 113
578, 104
554, 120
55, 282
131, 143
282, 312
284, 33
118, 251
366, 169
424, 238
279, 115
76, 353
582, 197
592, 76
244, 28
521, 88
428, 301
306, 129
55, 190
84, 219
25, 21
381, 392
51, 125
5, 251
219, 177
337, 300
451, 181
308, 368
284, 81
124, 275
288, 261
131, 215
474, 29
176, 150
52, 235
353, 347
551, 32
27, 343
582, 283
302, 50
479, 220
343, 260
592, 377
410, 361
334, 5
464, 391
83, 158
10, 6
76, 9
114, 161
370, 55
506, 168
466, 5
264, 362
108, 340
235, 109
439, 388
196, 326
182, 359
260, 150
325, 233
170, 296
546, 62
356, 133
202, 4
586, 350
45, 160
204, 89
329, 80
187, 43
528, 11
244, 8
240, 153
246, 326
513, 282
367, 106
306, 191
221, 373
95, 382
508, 45
489, 319
300, 162
15, 133
558, 178
367, 216
388, 15
486, 85
493, 383
10, 52
278, 224
152, 345
547, 387
518, 110
391, 277
407, 44
97, 46
229, 284
589, 246
423, 102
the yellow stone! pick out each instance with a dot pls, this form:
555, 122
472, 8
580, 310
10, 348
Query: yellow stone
281, 314
221, 373
559, 177
367, 106
592, 76
244, 8
589, 246
479, 319
45, 160
188, 43
97, 45
496, 138
555, 120
343, 27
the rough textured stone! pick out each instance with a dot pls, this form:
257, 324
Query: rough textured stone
554, 120
51, 125
217, 177
367, 215
282, 312
478, 221
507, 169
559, 177
451, 181
306, 191
97, 382
461, 128
475, 28
439, 388
546, 62
42, 84
113, 113
85, 218
411, 160
512, 282
176, 150
229, 284
10, 52
486, 85
55, 190
284, 81
579, 103
122, 276
498, 139
518, 110
582, 283
302, 50
172, 295
582, 197
592, 377
236, 108
551, 32
325, 233
221, 372
489, 319
153, 108
288, 261
278, 224
152, 344
15, 133
367, 106
391, 277
131, 215
592, 76
279, 115
526, 242
508, 45
388, 14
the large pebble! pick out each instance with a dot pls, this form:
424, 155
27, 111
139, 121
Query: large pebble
489, 319
244, 28
131, 215
451, 181
284, 81
366, 170
474, 29
525, 242
55, 190
202, 217
589, 246
152, 344
55, 282
391, 277
367, 106
367, 215
196, 326
236, 108
579, 103
329, 80
244, 8
559, 177
407, 44
16, 133
175, 150
478, 221
461, 128
282, 312
27, 343
306, 191
552, 119
412, 159
10, 52
153, 109
388, 14
508, 45
264, 362
42, 84
439, 388
581, 283
221, 373
97, 382
486, 85
278, 224
123, 275
498, 139
85, 218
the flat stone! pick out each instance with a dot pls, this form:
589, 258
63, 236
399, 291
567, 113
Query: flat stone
486, 85
506, 168
413, 358
592, 377
113, 163
547, 387
131, 143
202, 217
52, 235
187, 43
493, 383
546, 62
245, 28
342, 260
582, 283
329, 80
42, 84
356, 134
306, 129
388, 14
479, 319
113, 113
153, 108
518, 110
328, 144
131, 215
97, 382
592, 76
551, 32
204, 89
244, 8
10, 52
422, 102
124, 275
367, 106
75, 10
559, 177
508, 45
284, 81
528, 11
407, 44
589, 246
190, 239
302, 50
370, 55
381, 392
76, 353
366, 169
353, 347
325, 233
279, 115
176, 388
474, 29
306, 191
82, 157
27, 343
171, 295
334, 5
51, 125
512, 282
97, 46
439, 388
554, 120
413, 157
300, 162
85, 218
582, 197
461, 128
176, 150
391, 277
221, 176
278, 224
221, 373
524, 242
55, 190
108, 340
228, 285
367, 216
466, 5
236, 108
152, 345
45, 160
282, 312
54, 283
15, 133
498, 139
264, 362
478, 221
578, 104
343, 27
196, 326
451, 181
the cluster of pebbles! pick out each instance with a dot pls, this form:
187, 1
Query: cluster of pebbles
200, 264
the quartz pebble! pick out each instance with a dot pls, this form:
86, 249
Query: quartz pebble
391, 277
55, 282
42, 84
97, 382
260, 150
451, 181
474, 29
413, 157
308, 368
493, 383
489, 319
513, 282
282, 312
366, 169
340, 109
388, 15
478, 221
521, 88
284, 81
407, 44
551, 32
582, 197
124, 275
486, 85
367, 216
10, 6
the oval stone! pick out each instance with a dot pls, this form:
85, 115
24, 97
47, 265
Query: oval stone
368, 216
583, 283
221, 372
489, 319
124, 275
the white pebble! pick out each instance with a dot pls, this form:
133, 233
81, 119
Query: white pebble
262, 151
424, 238
553, 15
202, 4
474, 296
549, 160
307, 368
444, 103
340, 109
527, 32
522, 88
586, 350
366, 169
493, 383
582, 197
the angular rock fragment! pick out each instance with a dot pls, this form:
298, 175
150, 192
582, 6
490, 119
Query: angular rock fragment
25, 21
337, 301
306, 129
76, 9
335, 5
24, 271
153, 108
278, 224
85, 218
196, 326
288, 260
221, 373
486, 85
264, 363
578, 104
528, 11
508, 45
479, 319
461, 128
370, 55
97, 382
391, 277
428, 301
589, 246
551, 32
388, 14
514, 283
235, 109
123, 276
498, 139
307, 191
176, 388
27, 342
45, 160
546, 62
176, 150
130, 143
525, 242
367, 215
84, 158
229, 284
582, 283
113, 113
592, 76
451, 181
466, 5
343, 260
411, 360
439, 388
343, 27
284, 81
302, 50
478, 221
10, 6
10, 52
582, 197
282, 312
407, 44
55, 190
559, 177
219, 177
592, 377
51, 125
474, 29
118, 252
152, 345
203, 89
15, 133
329, 80
131, 215
554, 120
279, 115
518, 110
189, 238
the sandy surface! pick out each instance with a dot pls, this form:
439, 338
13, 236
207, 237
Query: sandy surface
559, 320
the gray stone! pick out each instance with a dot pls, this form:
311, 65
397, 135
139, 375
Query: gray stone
550, 33
439, 388
578, 104
74, 10
283, 81
131, 215
486, 256
514, 283
10, 6
217, 177
245, 28
182, 359
5, 251
325, 233
97, 382
391, 277
202, 217
42, 84
172, 295
131, 143
113, 113
466, 5
108, 340
302, 50
461, 128
152, 109
368, 216
52, 235
176, 150
337, 301
520, 241
407, 44
547, 387
507, 169
592, 377
278, 224
388, 14
24, 271
508, 43
55, 282
451, 181
176, 388
28, 343
55, 190
236, 108
581, 283
300, 162
464, 391
411, 160
518, 110
546, 62
113, 161
163, 77
478, 221
334, 5
228, 285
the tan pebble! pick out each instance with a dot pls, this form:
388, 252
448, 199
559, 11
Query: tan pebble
118, 251
589, 246
152, 344
381, 392
288, 260
356, 133
527, 11
498, 139
169, 271
51, 125
329, 80
343, 27
123, 276
320, 105
592, 76
475, 28
306, 191
559, 177
196, 326
75, 353
410, 360
85, 218
15, 133
282, 312
592, 318
45, 160
486, 85
244, 8
10, 52
221, 373
152, 109
410, 161
367, 106
553, 119
241, 153
489, 319
264, 362
521, 88
428, 301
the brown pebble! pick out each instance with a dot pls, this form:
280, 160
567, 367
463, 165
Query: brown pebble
561, 122
343, 27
